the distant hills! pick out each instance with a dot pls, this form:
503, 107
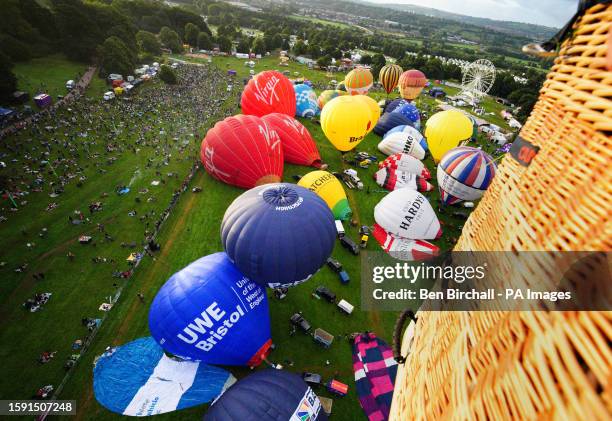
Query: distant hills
515, 28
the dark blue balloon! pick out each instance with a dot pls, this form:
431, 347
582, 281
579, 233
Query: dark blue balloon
392, 105
278, 234
390, 120
268, 395
411, 112
209, 311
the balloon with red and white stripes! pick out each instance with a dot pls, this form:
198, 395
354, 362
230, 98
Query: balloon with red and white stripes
404, 248
464, 173
392, 179
243, 151
298, 145
407, 163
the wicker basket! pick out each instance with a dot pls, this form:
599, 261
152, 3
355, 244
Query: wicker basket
532, 365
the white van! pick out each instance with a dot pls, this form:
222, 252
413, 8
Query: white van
108, 96
346, 307
339, 228
70, 84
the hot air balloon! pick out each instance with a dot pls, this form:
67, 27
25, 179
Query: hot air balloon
392, 179
410, 130
306, 104
210, 312
392, 105
445, 130
328, 187
411, 112
372, 104
268, 92
341, 87
328, 95
358, 81
388, 121
402, 248
298, 146
464, 173
138, 379
389, 76
407, 213
278, 235
243, 151
346, 120
411, 83
407, 142
268, 395
407, 163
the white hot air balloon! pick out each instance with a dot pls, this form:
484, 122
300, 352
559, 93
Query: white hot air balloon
406, 163
403, 248
392, 179
407, 213
409, 142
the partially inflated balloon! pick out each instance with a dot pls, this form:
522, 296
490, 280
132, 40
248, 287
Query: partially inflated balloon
358, 81
346, 120
397, 102
328, 187
278, 235
392, 179
328, 95
268, 395
445, 130
412, 131
305, 101
410, 143
243, 151
411, 83
268, 92
209, 311
388, 121
407, 163
407, 213
404, 248
411, 112
298, 146
389, 76
464, 173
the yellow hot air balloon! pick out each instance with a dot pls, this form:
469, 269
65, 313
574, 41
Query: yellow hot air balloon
328, 187
346, 120
445, 130
374, 108
359, 81
389, 76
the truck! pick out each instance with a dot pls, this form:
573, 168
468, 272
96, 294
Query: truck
299, 321
325, 293
351, 174
345, 306
336, 266
349, 244
339, 228
323, 337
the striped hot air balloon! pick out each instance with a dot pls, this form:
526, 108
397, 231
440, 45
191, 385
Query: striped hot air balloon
464, 173
359, 81
389, 76
403, 248
411, 83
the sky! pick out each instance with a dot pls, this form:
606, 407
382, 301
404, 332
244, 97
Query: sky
542, 12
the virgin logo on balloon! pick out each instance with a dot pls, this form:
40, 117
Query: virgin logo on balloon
268, 91
270, 135
290, 122
210, 164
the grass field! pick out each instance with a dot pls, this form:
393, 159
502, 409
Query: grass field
191, 231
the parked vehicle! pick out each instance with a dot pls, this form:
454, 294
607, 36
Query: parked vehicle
312, 379
323, 337
70, 84
334, 265
337, 388
108, 96
299, 321
325, 293
345, 306
350, 245
354, 178
344, 277
339, 228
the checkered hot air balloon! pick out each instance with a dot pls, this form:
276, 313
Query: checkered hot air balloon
464, 173
359, 81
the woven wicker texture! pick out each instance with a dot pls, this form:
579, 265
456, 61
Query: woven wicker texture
532, 365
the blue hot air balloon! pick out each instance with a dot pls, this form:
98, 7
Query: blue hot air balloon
268, 395
410, 111
278, 234
390, 120
138, 379
210, 312
306, 101
410, 130
397, 102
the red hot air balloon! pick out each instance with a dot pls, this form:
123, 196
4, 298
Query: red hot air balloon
268, 92
411, 83
298, 146
243, 151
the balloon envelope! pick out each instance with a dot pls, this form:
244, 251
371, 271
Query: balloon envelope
138, 379
358, 81
268, 395
243, 151
329, 188
413, 131
390, 120
409, 142
278, 235
346, 120
372, 105
328, 95
392, 179
397, 102
404, 248
464, 173
209, 311
389, 76
305, 101
407, 213
408, 163
445, 130
298, 145
411, 112
411, 83
268, 92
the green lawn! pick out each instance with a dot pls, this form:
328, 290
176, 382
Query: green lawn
47, 75
192, 231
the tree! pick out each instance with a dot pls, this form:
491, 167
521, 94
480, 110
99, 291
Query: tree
214, 9
324, 61
285, 45
314, 51
8, 81
259, 46
167, 74
115, 57
204, 41
225, 44
299, 48
191, 34
148, 43
244, 45
170, 39
366, 59
378, 61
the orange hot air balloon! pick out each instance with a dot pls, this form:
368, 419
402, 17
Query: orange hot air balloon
268, 92
411, 83
298, 146
359, 81
243, 151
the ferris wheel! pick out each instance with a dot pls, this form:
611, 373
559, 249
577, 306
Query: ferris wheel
478, 78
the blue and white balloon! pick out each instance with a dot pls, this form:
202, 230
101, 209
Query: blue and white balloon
306, 101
